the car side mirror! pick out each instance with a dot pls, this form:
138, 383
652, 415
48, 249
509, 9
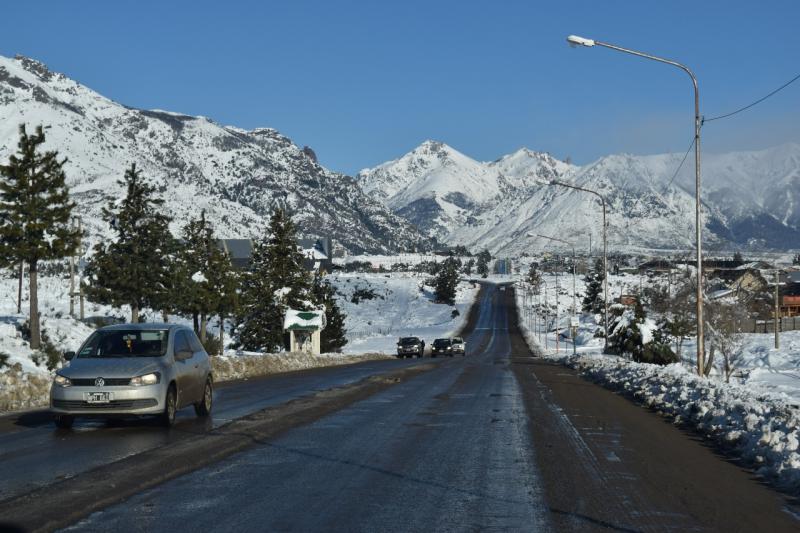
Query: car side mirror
69, 355
183, 355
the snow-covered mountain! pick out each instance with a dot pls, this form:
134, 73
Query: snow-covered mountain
750, 199
237, 176
444, 192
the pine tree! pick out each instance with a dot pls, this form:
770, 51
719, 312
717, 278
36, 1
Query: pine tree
468, 266
627, 334
447, 281
483, 263
534, 278
276, 281
260, 318
137, 268
35, 211
593, 299
333, 336
206, 273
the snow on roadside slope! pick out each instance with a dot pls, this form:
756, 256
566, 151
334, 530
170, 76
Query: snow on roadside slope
761, 428
402, 306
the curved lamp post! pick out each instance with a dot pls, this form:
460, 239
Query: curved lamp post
575, 41
605, 252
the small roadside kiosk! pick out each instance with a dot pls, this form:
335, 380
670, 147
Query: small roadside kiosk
304, 329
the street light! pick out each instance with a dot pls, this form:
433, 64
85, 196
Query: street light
605, 249
574, 307
575, 41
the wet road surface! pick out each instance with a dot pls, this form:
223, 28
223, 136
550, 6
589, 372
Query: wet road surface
33, 453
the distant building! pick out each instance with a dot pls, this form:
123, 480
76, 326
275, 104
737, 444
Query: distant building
317, 253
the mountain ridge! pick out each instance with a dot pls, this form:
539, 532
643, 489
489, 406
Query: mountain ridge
751, 200
236, 175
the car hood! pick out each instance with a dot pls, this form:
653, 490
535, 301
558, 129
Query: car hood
121, 367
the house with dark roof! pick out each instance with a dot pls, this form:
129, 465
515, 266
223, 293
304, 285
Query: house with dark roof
317, 253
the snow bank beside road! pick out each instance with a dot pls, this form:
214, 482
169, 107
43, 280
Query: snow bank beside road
248, 365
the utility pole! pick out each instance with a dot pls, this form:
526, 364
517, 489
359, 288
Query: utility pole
777, 310
557, 313
72, 280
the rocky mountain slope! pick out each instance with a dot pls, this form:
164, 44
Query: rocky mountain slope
751, 200
237, 176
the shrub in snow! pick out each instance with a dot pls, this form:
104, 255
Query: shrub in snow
364, 293
636, 336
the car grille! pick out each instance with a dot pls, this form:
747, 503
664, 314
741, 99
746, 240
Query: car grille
109, 382
116, 404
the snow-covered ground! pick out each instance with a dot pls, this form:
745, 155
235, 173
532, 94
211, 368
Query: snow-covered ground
402, 306
756, 417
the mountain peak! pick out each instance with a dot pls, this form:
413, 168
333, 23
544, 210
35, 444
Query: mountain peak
35, 67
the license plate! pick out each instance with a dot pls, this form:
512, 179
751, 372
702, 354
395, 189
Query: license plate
99, 397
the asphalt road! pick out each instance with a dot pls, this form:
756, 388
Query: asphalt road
34, 454
498, 440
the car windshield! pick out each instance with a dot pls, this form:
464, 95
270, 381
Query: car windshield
441, 342
409, 340
458, 340
125, 343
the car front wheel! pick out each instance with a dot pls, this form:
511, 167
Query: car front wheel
170, 407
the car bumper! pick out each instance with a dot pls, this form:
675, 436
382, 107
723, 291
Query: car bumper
126, 400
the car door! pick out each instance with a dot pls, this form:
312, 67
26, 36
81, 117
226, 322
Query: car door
202, 365
184, 369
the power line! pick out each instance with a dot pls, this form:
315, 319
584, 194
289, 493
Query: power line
754, 103
675, 175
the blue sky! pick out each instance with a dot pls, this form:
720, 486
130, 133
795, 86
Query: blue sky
362, 82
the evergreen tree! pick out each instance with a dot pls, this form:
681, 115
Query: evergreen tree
332, 338
35, 212
446, 282
276, 281
593, 299
483, 263
626, 335
207, 274
137, 268
534, 278
468, 266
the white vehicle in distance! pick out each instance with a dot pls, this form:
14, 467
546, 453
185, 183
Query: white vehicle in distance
134, 370
459, 346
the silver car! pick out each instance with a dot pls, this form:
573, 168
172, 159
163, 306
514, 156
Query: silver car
134, 369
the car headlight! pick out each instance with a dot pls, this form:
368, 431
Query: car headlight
62, 381
147, 379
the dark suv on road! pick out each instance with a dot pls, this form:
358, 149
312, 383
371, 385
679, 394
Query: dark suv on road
442, 347
410, 346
